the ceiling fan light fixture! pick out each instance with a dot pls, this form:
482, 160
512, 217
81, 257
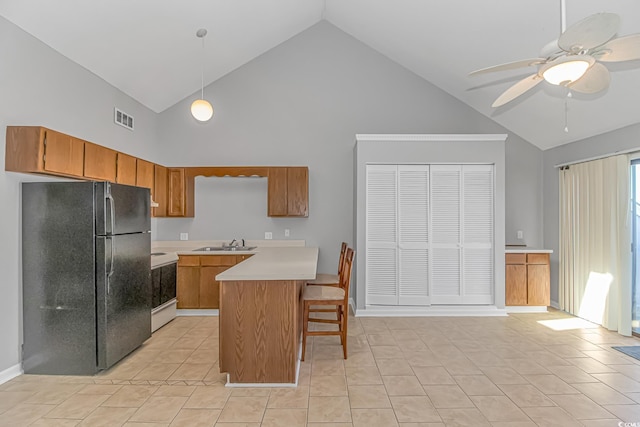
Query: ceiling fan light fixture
566, 72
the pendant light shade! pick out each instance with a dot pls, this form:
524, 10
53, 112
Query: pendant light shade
201, 109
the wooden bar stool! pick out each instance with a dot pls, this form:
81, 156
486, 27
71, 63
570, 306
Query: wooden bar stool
325, 279
329, 295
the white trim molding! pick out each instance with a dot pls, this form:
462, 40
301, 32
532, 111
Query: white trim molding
431, 311
10, 373
526, 309
197, 312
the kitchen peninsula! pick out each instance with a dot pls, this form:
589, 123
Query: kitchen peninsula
261, 315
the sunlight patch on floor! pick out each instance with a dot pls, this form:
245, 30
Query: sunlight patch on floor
568, 324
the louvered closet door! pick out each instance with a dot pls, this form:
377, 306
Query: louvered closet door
477, 252
413, 234
445, 234
381, 233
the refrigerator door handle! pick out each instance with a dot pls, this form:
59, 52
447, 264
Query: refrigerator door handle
111, 269
112, 206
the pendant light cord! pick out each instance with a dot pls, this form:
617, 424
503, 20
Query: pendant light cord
202, 73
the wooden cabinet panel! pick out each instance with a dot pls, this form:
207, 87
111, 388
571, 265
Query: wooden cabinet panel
176, 188
527, 279
297, 191
63, 154
538, 284
99, 162
144, 174
188, 260
516, 285
197, 284
277, 192
188, 287
515, 258
210, 287
160, 190
288, 193
537, 258
126, 169
218, 260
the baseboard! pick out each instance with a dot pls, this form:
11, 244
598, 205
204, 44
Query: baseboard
197, 312
555, 305
10, 373
526, 309
427, 311
352, 304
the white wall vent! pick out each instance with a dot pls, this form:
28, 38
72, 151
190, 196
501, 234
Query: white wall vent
123, 119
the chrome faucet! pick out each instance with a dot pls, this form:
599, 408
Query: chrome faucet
243, 245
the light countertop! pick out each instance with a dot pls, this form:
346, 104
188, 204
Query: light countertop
172, 248
526, 250
275, 263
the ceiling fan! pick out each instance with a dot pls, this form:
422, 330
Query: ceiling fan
575, 59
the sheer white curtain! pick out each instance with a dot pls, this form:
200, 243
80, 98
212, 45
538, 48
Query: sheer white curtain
595, 242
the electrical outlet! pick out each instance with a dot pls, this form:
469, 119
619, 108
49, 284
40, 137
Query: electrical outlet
184, 236
268, 235
520, 235
286, 232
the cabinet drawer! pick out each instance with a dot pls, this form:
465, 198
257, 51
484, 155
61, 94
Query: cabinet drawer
188, 260
538, 258
515, 258
218, 260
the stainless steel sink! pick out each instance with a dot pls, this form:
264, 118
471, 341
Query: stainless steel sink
226, 248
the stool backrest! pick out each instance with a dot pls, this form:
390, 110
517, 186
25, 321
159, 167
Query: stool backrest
343, 251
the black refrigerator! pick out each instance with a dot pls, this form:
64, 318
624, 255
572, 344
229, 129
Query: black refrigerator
86, 275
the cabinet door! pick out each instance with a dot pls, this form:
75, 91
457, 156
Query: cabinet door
298, 191
413, 234
160, 190
63, 154
381, 235
99, 162
126, 169
446, 234
277, 192
144, 174
516, 285
188, 287
210, 287
538, 284
176, 188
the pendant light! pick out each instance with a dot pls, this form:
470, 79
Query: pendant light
201, 109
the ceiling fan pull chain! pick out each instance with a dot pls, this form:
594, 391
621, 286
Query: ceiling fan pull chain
566, 111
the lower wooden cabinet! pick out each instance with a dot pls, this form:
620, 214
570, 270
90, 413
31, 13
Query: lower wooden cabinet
527, 279
197, 286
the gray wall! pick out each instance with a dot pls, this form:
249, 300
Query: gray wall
302, 103
619, 140
38, 86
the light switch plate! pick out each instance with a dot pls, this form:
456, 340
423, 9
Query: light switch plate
184, 236
287, 233
520, 234
268, 235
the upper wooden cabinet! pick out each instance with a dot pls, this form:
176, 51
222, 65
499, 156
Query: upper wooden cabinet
160, 191
180, 199
288, 191
126, 169
35, 149
99, 162
144, 174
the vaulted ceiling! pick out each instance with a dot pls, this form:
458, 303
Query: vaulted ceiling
148, 48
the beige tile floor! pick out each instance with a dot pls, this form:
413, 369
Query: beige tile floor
523, 370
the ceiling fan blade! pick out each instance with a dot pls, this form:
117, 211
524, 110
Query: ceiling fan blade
592, 31
517, 89
596, 79
621, 49
509, 66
